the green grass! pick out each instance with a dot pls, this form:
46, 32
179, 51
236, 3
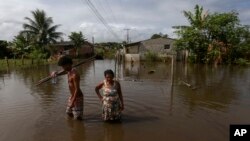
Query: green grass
19, 63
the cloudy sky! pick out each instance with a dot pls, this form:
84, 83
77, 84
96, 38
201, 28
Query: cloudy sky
142, 17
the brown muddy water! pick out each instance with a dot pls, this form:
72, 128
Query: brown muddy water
159, 105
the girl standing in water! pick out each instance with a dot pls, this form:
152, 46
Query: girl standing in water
75, 100
112, 99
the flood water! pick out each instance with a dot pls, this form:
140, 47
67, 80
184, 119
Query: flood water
159, 103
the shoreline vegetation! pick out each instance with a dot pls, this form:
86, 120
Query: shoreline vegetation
7, 64
107, 54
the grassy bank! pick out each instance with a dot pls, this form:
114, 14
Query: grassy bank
19, 63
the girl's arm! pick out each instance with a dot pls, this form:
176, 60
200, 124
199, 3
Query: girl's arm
97, 90
56, 73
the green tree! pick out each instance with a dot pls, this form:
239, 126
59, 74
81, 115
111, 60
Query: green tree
160, 35
155, 36
212, 38
224, 32
193, 37
78, 40
21, 44
4, 51
41, 29
165, 36
244, 45
197, 19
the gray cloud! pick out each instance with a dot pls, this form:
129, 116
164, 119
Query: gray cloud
143, 17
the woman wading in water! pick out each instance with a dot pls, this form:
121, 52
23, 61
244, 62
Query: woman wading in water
111, 98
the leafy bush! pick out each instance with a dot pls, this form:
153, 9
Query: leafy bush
151, 56
242, 62
37, 54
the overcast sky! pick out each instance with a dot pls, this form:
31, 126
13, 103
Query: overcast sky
142, 17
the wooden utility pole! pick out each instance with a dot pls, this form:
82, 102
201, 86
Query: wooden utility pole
93, 42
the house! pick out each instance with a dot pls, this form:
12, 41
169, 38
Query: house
68, 48
163, 47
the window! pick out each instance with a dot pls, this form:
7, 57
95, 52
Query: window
167, 46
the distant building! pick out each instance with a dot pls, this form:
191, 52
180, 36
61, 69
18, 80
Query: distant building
163, 47
68, 48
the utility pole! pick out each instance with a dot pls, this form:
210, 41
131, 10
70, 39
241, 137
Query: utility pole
93, 41
127, 29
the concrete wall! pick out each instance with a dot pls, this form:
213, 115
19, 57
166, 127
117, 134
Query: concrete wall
158, 45
132, 57
136, 51
132, 49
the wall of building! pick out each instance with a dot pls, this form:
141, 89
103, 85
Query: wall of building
69, 49
132, 49
132, 57
164, 47
159, 45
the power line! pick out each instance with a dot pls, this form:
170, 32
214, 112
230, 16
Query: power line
106, 10
123, 6
112, 13
99, 16
101, 6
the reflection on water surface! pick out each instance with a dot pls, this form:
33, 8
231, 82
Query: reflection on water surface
158, 105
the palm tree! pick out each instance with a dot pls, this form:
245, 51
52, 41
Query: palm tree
196, 19
40, 28
194, 36
78, 40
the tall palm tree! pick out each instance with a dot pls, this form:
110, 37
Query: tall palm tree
41, 29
